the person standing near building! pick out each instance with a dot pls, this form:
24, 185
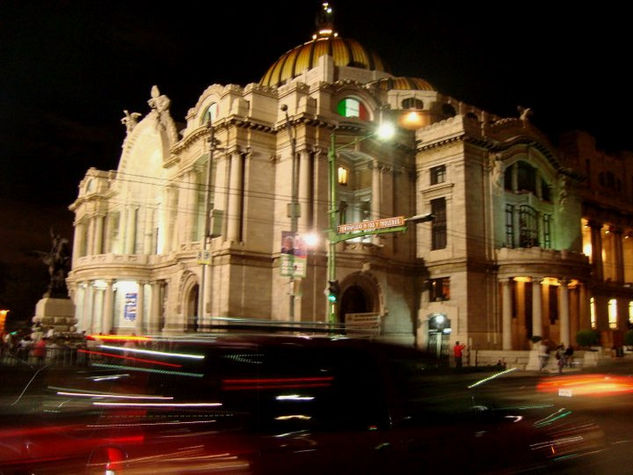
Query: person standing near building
458, 352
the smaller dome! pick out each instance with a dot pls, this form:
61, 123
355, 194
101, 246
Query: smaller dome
404, 84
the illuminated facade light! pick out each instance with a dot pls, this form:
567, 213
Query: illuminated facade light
342, 175
613, 314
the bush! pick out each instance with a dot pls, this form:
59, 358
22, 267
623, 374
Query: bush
628, 338
587, 338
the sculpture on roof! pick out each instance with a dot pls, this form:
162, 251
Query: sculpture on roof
130, 120
524, 114
159, 102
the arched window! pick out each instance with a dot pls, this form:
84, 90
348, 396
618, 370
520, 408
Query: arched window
412, 103
448, 110
211, 113
351, 107
526, 177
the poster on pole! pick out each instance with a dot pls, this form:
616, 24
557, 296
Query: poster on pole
294, 255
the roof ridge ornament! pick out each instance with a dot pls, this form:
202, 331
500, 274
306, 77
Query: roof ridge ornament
325, 22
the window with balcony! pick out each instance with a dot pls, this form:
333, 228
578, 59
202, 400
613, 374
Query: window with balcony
528, 226
439, 289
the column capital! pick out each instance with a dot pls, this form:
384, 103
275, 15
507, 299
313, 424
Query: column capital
593, 224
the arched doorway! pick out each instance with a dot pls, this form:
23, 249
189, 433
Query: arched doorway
192, 309
355, 299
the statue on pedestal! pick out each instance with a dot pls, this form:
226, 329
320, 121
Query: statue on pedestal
58, 260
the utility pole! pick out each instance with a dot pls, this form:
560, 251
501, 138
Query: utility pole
293, 207
205, 257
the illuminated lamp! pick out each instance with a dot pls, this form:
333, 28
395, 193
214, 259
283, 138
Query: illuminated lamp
413, 119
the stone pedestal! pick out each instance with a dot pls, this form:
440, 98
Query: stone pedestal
55, 313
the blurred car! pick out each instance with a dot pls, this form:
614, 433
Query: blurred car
258, 403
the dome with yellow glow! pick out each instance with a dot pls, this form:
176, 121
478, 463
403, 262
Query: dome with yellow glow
344, 52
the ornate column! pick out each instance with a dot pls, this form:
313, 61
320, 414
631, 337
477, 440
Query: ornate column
564, 313
80, 230
537, 307
108, 307
140, 307
98, 235
130, 230
154, 307
619, 255
88, 307
596, 250
90, 238
189, 207
376, 198
235, 197
305, 201
220, 188
506, 312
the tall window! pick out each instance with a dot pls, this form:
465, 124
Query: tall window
438, 226
526, 177
438, 174
547, 231
509, 225
528, 226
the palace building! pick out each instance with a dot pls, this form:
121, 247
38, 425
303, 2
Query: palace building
528, 238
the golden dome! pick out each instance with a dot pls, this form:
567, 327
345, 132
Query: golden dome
344, 52
403, 84
325, 42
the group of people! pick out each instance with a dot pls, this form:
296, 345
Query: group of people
564, 356
48, 347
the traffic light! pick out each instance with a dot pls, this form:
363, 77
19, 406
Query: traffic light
333, 290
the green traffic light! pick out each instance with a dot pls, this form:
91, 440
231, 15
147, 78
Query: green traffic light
331, 298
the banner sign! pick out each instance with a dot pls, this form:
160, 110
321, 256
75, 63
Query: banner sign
294, 255
371, 225
129, 312
365, 322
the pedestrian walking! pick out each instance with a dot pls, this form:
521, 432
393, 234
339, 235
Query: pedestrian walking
458, 352
569, 356
560, 357
543, 355
39, 351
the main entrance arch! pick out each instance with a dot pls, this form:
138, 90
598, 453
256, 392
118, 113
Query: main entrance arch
360, 294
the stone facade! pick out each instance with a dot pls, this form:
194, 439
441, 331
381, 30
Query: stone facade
502, 261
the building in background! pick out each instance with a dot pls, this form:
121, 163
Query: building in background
501, 262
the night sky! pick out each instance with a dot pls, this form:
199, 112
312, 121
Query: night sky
69, 68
